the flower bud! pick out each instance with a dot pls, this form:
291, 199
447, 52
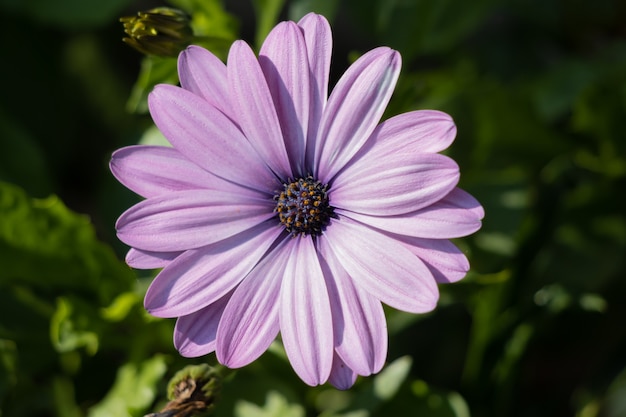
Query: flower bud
161, 31
192, 391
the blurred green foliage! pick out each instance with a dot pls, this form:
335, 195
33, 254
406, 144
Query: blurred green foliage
538, 91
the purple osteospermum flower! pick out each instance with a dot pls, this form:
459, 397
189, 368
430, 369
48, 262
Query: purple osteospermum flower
279, 210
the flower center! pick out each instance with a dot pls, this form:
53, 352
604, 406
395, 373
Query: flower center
303, 207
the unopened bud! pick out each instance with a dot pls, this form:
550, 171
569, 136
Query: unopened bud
161, 31
193, 391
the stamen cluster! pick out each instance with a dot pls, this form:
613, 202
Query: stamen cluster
303, 207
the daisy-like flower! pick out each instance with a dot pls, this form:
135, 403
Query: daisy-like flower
279, 209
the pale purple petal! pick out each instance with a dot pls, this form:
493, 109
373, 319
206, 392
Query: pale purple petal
446, 261
420, 131
341, 376
358, 320
354, 109
283, 59
194, 334
394, 184
456, 215
155, 170
249, 323
319, 42
189, 219
204, 74
200, 277
140, 259
306, 323
207, 137
381, 265
255, 109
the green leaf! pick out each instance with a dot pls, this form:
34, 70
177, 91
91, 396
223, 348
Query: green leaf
420, 27
134, 390
382, 388
8, 367
299, 8
48, 247
388, 382
154, 70
276, 405
72, 326
214, 27
267, 12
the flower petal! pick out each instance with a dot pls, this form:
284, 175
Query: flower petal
205, 75
395, 184
306, 323
141, 259
319, 44
208, 138
457, 214
200, 277
155, 170
255, 109
380, 265
358, 320
250, 321
194, 334
189, 219
421, 131
354, 109
341, 376
283, 59
446, 261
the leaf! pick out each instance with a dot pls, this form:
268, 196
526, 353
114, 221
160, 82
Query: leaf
299, 8
154, 70
382, 388
134, 389
267, 14
420, 27
50, 248
72, 326
276, 405
388, 382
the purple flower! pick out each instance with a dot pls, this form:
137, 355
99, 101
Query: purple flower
279, 210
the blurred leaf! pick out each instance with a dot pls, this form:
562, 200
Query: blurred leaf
420, 26
267, 12
8, 367
380, 389
154, 70
556, 90
64, 400
153, 136
72, 326
388, 382
514, 349
121, 306
134, 390
615, 401
299, 8
45, 245
276, 405
214, 27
